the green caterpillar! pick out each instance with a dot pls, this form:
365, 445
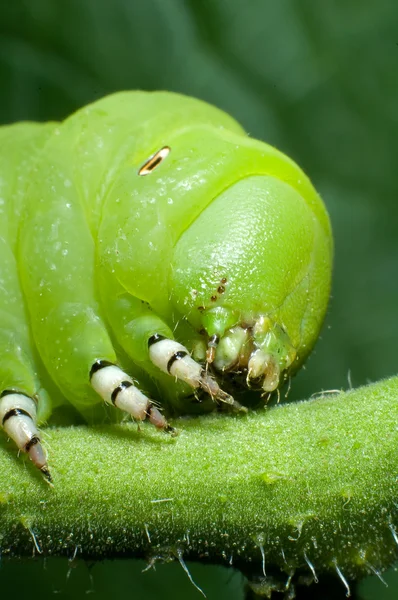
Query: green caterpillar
147, 235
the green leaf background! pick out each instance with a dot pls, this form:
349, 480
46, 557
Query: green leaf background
317, 79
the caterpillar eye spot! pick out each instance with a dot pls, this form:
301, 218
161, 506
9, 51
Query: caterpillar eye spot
154, 161
221, 289
213, 298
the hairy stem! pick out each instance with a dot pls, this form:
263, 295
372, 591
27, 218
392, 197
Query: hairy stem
308, 483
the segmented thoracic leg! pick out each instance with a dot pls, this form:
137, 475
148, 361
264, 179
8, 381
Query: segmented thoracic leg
117, 388
18, 419
173, 358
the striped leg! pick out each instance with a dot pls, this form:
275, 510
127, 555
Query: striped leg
18, 419
173, 358
118, 389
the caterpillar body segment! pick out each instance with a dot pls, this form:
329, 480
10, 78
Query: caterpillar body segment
148, 232
21, 387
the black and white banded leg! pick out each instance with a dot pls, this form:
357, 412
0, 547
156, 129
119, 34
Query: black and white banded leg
173, 358
116, 388
18, 419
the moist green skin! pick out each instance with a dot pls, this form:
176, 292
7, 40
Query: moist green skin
106, 257
318, 477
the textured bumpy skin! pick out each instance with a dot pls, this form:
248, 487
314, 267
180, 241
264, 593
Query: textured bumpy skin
220, 242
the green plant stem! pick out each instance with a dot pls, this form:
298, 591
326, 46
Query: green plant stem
314, 480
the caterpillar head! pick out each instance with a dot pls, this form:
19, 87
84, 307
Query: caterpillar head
251, 274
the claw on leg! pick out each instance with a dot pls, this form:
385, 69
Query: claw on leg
173, 358
18, 419
38, 457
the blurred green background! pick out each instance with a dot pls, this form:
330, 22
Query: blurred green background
317, 79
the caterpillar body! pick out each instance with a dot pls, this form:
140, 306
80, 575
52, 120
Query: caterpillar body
151, 252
